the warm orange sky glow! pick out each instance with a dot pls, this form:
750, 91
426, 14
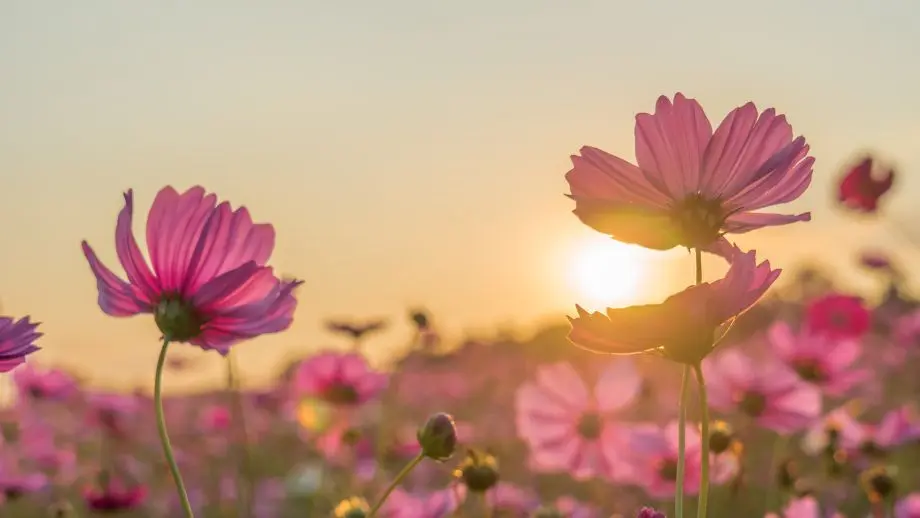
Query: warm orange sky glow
607, 273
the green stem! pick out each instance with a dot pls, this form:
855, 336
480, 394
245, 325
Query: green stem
244, 467
164, 436
396, 481
681, 444
703, 502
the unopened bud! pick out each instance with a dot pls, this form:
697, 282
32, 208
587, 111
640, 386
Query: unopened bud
438, 437
353, 507
721, 437
479, 471
879, 483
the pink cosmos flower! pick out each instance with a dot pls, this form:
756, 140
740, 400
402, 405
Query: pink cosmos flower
571, 428
113, 413
115, 496
17, 340
648, 512
655, 451
818, 358
770, 394
692, 185
572, 508
908, 507
838, 316
684, 327
209, 286
807, 507
437, 504
896, 428
509, 501
653, 454
339, 378
39, 384
216, 418
860, 190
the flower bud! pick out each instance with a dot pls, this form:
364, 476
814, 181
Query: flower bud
353, 507
479, 471
721, 437
438, 437
879, 483
787, 474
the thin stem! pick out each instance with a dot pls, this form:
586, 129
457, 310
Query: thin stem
681, 443
243, 472
164, 436
396, 481
703, 502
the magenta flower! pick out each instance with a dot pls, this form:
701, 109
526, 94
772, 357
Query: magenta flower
38, 384
686, 326
339, 378
818, 358
692, 185
571, 428
839, 316
648, 512
770, 394
17, 340
115, 496
908, 507
209, 286
860, 190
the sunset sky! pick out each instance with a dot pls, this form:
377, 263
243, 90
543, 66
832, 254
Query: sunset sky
408, 152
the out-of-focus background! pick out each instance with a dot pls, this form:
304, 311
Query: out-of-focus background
410, 152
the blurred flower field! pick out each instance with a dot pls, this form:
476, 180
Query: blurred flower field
757, 394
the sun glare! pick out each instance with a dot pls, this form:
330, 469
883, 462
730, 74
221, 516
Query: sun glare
607, 273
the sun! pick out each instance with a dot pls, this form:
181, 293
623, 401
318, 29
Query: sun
607, 273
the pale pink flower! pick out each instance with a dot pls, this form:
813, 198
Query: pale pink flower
570, 427
210, 285
653, 454
686, 326
437, 504
509, 500
769, 393
805, 507
692, 185
896, 428
829, 363
339, 378
572, 508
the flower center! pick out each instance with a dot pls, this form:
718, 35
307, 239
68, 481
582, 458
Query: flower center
753, 404
871, 449
341, 394
809, 370
667, 470
590, 426
178, 320
700, 220
36, 392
